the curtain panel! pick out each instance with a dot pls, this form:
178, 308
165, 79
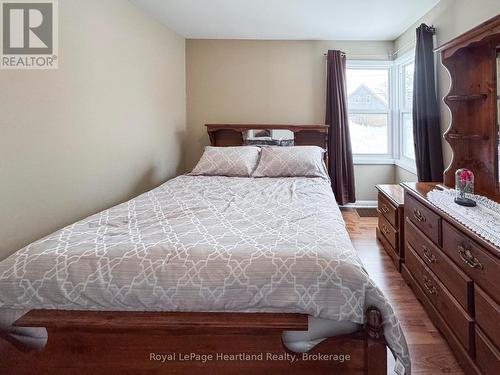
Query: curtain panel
339, 142
426, 128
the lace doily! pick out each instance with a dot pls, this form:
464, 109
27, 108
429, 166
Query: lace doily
484, 219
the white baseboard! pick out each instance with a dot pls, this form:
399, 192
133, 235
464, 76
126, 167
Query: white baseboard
362, 204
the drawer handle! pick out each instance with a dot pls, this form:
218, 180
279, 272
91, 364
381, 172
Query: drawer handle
428, 286
384, 208
431, 258
418, 215
385, 229
468, 258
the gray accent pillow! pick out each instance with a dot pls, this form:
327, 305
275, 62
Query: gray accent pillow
293, 161
237, 161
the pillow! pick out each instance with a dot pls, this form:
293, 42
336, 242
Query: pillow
293, 161
237, 161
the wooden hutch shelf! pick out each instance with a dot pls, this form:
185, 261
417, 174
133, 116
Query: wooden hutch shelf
467, 137
471, 60
463, 98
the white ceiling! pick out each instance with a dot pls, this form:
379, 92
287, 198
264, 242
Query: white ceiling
288, 19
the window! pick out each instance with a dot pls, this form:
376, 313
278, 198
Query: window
368, 102
380, 99
406, 116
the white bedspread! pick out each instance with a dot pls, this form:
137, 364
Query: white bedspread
205, 244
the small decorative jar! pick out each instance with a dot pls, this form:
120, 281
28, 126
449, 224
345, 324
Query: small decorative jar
464, 186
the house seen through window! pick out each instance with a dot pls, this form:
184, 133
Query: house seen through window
368, 102
380, 100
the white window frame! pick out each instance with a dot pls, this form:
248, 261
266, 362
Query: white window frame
387, 158
399, 64
394, 121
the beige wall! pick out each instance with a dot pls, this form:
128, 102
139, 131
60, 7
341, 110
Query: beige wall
105, 126
403, 175
367, 176
451, 18
242, 81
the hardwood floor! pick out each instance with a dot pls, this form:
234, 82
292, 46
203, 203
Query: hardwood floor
429, 352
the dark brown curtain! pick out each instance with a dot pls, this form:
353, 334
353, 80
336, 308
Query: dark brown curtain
339, 141
426, 129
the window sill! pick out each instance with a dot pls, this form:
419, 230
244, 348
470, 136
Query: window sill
372, 160
407, 166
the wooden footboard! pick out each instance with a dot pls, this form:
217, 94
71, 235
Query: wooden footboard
81, 342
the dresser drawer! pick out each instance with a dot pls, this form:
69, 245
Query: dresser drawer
487, 356
488, 315
423, 218
456, 281
473, 260
388, 210
451, 311
388, 231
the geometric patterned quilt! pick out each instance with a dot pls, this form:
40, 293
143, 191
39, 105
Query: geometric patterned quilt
201, 243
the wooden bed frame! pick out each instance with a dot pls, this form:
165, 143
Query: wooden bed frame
91, 342
84, 342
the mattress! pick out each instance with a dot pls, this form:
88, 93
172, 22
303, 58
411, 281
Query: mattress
206, 243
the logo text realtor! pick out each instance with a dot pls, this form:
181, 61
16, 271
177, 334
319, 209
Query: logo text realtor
29, 34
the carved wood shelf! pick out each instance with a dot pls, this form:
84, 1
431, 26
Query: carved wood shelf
473, 132
468, 137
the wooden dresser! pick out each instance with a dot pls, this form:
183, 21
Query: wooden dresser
456, 275
390, 221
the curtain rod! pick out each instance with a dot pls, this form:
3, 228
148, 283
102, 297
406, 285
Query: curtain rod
341, 54
370, 55
410, 43
431, 28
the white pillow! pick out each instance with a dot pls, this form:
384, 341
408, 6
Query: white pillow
295, 161
237, 161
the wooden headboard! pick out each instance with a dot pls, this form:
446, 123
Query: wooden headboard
224, 135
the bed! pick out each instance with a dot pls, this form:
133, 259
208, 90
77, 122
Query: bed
206, 274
